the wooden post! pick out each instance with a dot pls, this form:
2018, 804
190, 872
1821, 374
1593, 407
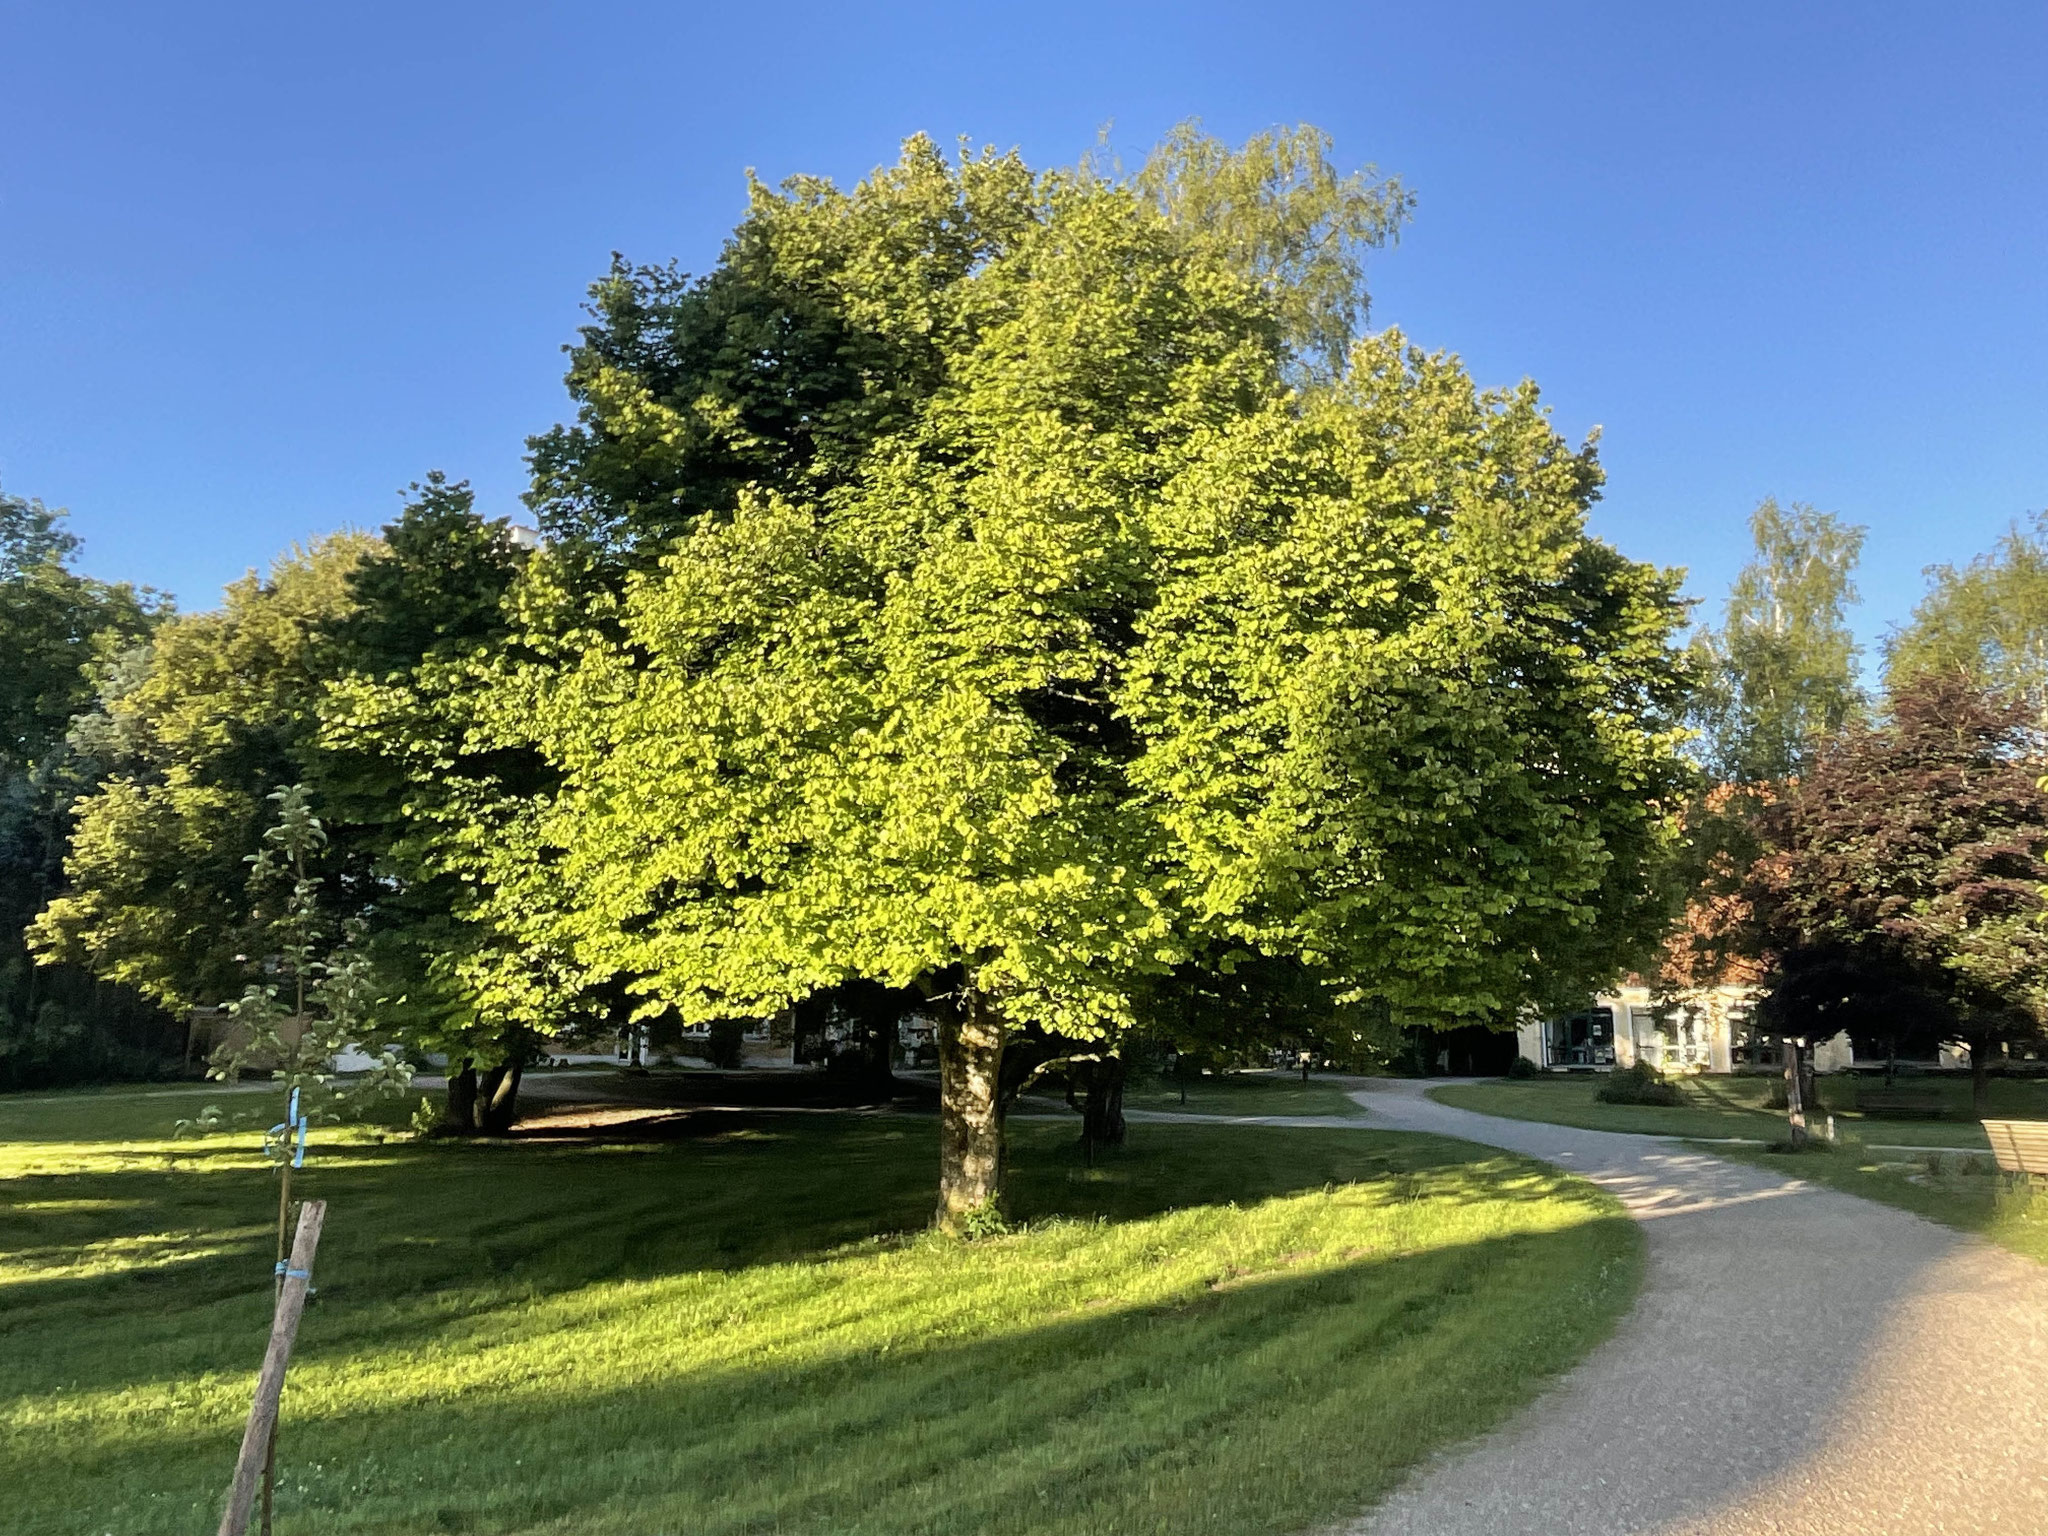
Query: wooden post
294, 1125
1795, 1103
284, 1206
284, 1328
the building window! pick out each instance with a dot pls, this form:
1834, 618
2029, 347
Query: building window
1583, 1039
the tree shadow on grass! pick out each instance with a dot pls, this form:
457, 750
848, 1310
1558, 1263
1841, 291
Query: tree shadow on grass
1249, 1403
420, 1237
756, 1089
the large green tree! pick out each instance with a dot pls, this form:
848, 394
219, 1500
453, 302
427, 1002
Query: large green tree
1779, 675
63, 635
1125, 638
825, 327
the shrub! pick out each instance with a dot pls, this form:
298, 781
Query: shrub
984, 1221
1523, 1067
1638, 1084
426, 1118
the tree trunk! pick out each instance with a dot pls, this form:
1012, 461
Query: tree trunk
1980, 1077
462, 1098
882, 1048
498, 1098
1102, 1103
1795, 1101
970, 1109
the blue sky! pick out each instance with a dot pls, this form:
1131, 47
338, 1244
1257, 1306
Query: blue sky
261, 266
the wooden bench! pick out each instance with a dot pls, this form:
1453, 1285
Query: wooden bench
1903, 1104
2021, 1146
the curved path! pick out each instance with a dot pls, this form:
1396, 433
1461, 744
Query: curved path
1800, 1362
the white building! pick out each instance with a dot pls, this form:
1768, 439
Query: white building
1702, 1032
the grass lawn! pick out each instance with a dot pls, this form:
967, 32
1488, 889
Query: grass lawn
1734, 1106
1243, 1093
1958, 1189
1218, 1329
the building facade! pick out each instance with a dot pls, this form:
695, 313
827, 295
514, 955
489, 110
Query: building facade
1703, 1031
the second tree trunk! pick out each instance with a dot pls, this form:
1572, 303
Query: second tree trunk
497, 1101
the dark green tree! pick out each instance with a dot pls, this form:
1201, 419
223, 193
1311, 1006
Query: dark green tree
352, 671
406, 779
64, 636
822, 329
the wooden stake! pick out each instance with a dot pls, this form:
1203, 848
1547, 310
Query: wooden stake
1795, 1102
284, 1329
284, 1206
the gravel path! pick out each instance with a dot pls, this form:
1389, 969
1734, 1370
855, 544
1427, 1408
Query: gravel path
1800, 1362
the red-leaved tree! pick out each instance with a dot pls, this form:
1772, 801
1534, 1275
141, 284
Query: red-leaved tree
1903, 883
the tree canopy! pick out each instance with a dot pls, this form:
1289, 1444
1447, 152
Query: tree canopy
1278, 211
831, 316
1987, 621
58, 629
1907, 866
1779, 675
221, 711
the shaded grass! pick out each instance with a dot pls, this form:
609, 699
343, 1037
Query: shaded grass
1735, 1106
1219, 1329
1243, 1093
32, 1125
2014, 1098
1959, 1189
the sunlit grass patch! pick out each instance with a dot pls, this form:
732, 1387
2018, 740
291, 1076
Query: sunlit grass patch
1218, 1329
